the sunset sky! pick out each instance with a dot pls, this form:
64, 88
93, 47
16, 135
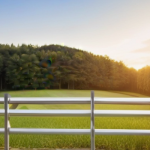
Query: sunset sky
117, 28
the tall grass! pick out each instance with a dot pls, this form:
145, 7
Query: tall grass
78, 141
106, 142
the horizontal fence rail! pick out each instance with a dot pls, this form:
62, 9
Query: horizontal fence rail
80, 113
77, 100
6, 112
77, 131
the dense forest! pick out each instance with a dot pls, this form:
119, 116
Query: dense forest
20, 68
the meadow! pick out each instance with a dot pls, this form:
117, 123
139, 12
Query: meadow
106, 142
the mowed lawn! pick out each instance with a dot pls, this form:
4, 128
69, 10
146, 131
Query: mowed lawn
77, 141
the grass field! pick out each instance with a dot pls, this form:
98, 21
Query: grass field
77, 141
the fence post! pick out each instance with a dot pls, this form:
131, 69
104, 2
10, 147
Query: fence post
6, 106
92, 122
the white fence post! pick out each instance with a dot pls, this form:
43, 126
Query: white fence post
92, 122
6, 106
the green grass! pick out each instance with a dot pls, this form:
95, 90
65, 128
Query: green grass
67, 93
77, 141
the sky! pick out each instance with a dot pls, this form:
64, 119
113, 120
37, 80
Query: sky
119, 29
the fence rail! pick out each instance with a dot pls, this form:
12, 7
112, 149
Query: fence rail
80, 113
78, 100
77, 131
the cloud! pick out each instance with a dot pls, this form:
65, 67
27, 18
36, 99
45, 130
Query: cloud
146, 49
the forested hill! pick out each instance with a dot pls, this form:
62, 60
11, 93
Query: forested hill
21, 68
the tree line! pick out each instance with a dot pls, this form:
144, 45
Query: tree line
71, 68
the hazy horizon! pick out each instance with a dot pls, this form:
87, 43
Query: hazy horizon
119, 29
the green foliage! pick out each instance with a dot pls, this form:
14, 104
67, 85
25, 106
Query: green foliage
72, 69
1, 62
143, 79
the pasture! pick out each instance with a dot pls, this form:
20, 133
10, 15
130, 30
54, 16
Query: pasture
77, 141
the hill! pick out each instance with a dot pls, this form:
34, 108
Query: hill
27, 67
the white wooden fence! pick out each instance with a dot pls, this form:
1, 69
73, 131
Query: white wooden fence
72, 100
